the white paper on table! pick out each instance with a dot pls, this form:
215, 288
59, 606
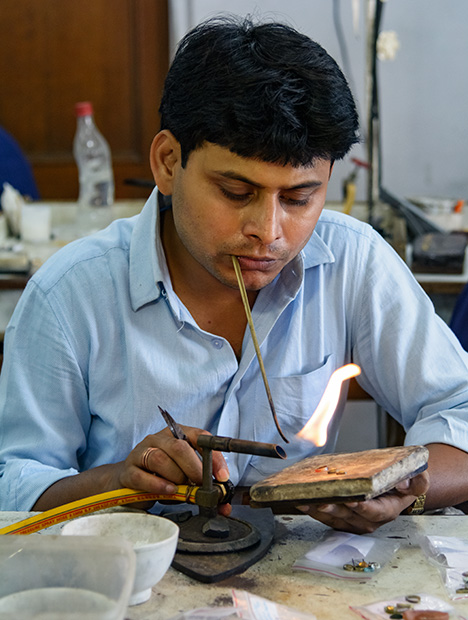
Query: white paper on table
340, 548
330, 555
252, 607
450, 551
247, 606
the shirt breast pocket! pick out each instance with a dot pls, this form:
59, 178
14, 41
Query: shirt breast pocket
295, 398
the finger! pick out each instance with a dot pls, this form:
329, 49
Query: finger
414, 486
390, 505
219, 465
379, 510
340, 517
176, 460
157, 461
134, 477
385, 508
220, 468
225, 509
403, 486
192, 437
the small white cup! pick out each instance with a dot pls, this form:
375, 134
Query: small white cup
35, 223
154, 541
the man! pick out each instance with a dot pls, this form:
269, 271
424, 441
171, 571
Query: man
148, 312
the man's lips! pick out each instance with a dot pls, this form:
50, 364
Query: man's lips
256, 263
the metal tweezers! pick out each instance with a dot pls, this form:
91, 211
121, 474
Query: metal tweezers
175, 428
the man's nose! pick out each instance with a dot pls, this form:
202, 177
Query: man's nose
262, 220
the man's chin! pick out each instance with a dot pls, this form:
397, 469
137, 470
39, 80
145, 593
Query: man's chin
256, 281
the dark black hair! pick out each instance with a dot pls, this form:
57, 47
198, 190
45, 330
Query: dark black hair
261, 90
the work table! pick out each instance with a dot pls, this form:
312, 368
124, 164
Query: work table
327, 598
409, 572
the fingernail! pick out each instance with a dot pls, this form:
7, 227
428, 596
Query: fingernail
303, 508
404, 484
223, 475
325, 508
170, 489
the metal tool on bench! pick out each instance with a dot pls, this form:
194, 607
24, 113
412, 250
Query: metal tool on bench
212, 546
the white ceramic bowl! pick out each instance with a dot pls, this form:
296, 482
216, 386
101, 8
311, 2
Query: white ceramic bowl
154, 541
55, 577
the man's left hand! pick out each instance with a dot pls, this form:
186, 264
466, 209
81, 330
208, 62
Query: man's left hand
365, 517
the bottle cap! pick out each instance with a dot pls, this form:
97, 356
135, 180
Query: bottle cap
83, 108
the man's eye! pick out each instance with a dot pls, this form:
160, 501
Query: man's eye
232, 196
296, 202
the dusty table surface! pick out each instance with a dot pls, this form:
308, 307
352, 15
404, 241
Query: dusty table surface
327, 598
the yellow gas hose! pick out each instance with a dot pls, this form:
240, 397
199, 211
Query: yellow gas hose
184, 493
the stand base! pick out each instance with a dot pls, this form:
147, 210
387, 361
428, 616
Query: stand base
209, 567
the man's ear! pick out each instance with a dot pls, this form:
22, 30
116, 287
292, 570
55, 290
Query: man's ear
165, 159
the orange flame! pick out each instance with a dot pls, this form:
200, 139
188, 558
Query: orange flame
316, 428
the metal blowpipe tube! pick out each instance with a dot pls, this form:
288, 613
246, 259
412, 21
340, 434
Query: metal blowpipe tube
229, 444
248, 314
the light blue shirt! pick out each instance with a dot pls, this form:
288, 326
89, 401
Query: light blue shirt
99, 339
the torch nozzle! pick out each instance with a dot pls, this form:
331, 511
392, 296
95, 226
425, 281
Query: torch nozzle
244, 446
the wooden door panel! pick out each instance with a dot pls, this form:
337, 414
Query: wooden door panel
57, 52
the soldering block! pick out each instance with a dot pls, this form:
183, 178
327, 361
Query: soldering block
341, 477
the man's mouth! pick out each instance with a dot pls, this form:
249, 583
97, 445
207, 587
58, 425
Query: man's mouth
256, 263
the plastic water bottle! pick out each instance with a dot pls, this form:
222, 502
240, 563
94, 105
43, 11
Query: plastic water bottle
96, 179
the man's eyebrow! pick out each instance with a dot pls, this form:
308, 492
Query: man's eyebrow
235, 176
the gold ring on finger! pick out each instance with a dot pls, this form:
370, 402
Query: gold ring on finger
145, 458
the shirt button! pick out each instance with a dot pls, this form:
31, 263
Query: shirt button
218, 344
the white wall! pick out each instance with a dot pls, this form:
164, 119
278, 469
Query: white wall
423, 92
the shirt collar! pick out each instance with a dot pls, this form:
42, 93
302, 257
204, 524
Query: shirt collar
147, 260
317, 252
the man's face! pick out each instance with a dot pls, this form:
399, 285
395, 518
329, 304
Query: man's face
225, 205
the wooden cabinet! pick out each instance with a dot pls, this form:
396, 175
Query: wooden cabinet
54, 53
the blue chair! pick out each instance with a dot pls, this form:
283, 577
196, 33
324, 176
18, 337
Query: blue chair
15, 168
459, 320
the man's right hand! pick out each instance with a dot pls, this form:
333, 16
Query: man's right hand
161, 461
156, 465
